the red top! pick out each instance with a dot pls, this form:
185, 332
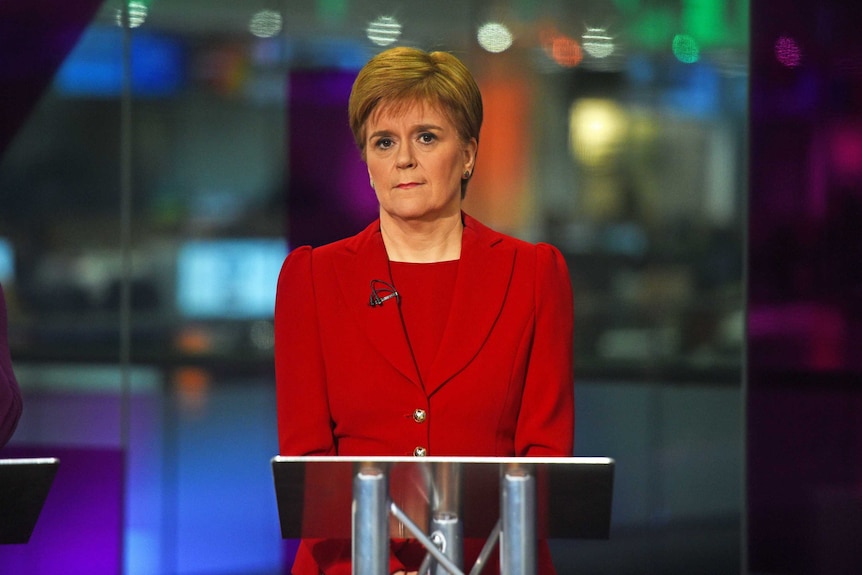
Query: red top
426, 296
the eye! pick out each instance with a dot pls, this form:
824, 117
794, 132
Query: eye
383, 143
427, 137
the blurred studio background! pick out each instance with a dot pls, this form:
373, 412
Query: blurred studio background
159, 158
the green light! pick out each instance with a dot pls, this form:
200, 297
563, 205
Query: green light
685, 49
706, 21
653, 28
714, 23
331, 10
627, 6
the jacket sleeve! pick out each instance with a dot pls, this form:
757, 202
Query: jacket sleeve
547, 417
304, 422
10, 394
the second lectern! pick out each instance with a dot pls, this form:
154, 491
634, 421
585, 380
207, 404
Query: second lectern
439, 501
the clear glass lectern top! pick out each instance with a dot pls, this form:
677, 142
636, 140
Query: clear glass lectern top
24, 486
573, 496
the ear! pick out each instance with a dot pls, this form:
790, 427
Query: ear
470, 150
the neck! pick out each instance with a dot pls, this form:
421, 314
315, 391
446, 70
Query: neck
422, 242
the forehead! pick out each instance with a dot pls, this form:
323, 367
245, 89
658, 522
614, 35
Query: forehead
412, 111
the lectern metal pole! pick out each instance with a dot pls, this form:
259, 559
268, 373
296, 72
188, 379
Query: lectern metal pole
370, 522
447, 528
446, 535
518, 514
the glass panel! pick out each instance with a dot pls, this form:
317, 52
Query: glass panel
804, 368
614, 130
62, 71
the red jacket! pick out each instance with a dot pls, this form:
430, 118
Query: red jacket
502, 383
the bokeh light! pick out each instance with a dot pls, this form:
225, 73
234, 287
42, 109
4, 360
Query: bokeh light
265, 24
562, 49
685, 49
846, 151
137, 14
494, 37
566, 51
384, 30
193, 386
596, 128
597, 43
787, 52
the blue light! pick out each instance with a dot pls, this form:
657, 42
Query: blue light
7, 261
96, 66
229, 278
695, 90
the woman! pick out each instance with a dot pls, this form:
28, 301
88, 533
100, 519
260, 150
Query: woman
10, 394
427, 333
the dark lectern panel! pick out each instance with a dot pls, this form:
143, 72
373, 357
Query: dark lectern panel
574, 494
24, 486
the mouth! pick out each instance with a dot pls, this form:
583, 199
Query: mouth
407, 185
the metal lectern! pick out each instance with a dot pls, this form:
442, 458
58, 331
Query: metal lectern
442, 500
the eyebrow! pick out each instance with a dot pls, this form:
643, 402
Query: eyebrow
417, 128
429, 128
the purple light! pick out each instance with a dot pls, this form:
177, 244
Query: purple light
79, 531
787, 52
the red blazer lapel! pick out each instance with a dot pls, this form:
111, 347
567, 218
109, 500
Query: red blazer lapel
363, 260
484, 273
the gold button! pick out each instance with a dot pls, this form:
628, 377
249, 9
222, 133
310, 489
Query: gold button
420, 452
419, 415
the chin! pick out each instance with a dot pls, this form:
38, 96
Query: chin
407, 212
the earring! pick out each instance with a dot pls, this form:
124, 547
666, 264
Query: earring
372, 184
466, 174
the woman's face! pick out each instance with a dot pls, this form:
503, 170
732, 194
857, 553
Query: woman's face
416, 161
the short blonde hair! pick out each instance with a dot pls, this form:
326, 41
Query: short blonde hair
403, 76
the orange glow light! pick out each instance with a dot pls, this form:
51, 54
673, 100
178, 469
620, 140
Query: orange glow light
566, 51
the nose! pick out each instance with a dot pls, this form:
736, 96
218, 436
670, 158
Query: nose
405, 158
